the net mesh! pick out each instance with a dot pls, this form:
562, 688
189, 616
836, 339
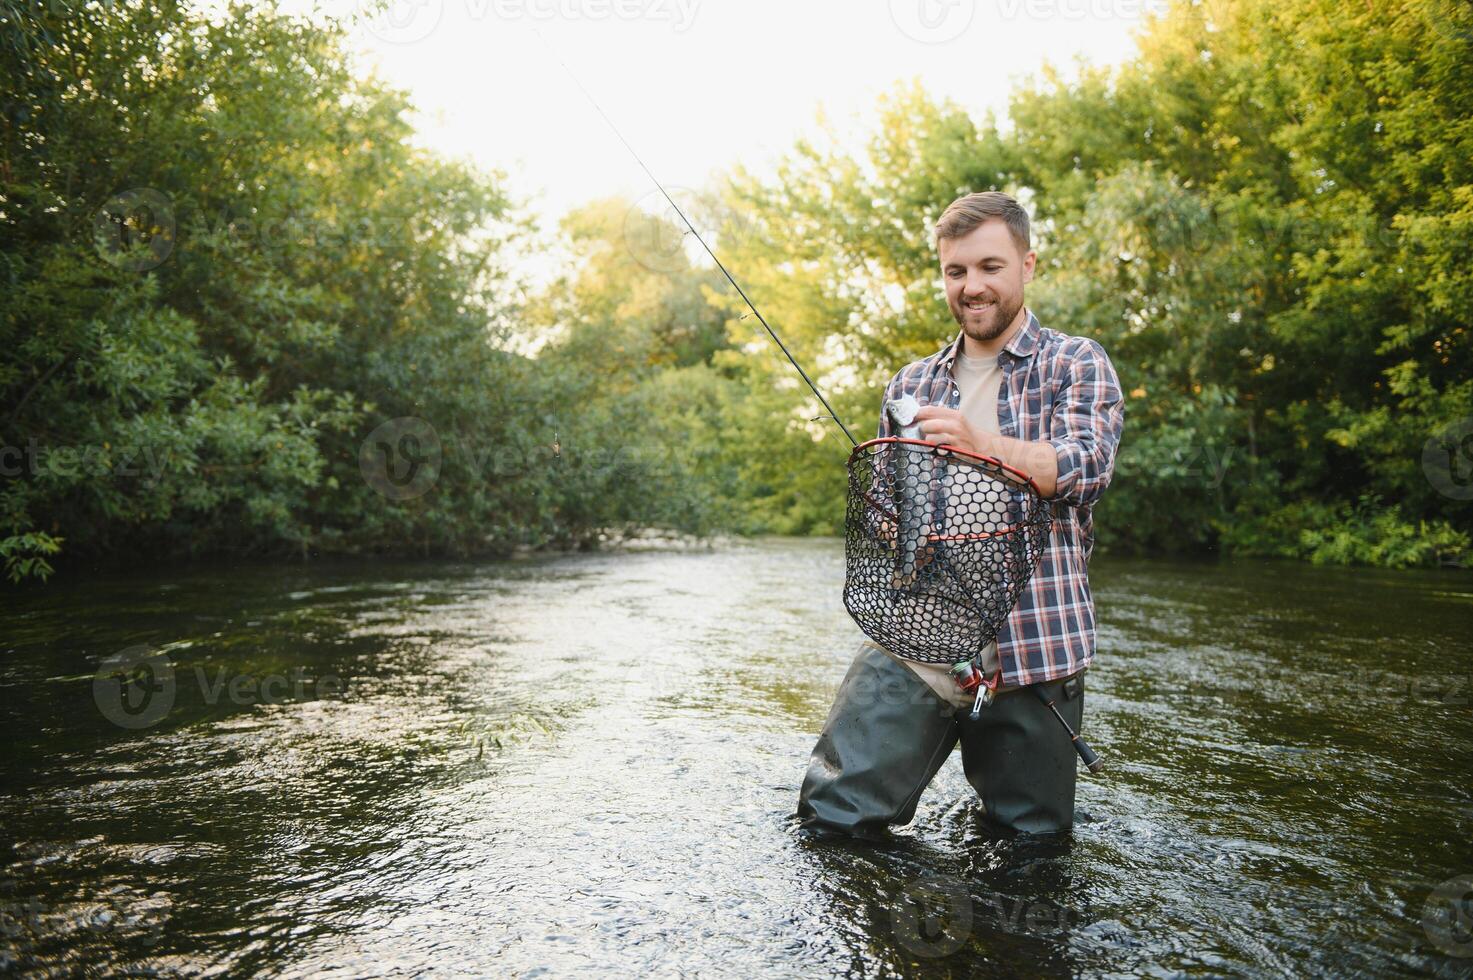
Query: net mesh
938, 545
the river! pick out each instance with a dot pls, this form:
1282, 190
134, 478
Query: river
587, 765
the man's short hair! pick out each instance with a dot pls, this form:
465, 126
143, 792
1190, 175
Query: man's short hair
966, 213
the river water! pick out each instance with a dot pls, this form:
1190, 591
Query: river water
588, 765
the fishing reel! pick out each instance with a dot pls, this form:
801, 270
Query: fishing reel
970, 679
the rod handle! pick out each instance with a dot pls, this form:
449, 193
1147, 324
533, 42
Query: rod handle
1087, 755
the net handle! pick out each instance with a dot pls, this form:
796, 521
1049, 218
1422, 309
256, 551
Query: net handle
955, 450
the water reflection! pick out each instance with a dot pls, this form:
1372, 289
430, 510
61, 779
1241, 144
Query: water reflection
590, 764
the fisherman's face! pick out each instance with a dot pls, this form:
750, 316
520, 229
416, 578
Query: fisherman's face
984, 272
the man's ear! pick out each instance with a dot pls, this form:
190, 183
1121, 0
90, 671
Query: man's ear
1029, 261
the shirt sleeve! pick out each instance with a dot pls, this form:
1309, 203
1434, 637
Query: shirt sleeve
1089, 413
886, 427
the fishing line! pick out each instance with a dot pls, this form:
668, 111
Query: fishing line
692, 228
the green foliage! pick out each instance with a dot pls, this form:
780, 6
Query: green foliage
225, 264
1272, 202
194, 367
1362, 533
1264, 218
24, 555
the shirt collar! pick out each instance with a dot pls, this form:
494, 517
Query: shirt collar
1023, 344
1025, 341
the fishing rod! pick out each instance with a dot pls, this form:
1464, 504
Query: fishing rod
692, 229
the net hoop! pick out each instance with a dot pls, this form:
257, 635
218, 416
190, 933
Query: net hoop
939, 543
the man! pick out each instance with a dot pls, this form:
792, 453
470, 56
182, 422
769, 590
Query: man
1042, 402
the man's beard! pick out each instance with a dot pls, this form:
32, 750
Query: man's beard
1002, 317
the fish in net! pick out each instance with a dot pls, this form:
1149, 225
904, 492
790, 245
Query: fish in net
938, 544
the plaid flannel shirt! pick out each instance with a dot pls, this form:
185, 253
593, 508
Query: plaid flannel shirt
1061, 390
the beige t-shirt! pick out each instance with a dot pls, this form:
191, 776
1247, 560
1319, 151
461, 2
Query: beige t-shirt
979, 379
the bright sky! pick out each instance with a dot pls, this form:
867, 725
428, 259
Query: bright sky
697, 85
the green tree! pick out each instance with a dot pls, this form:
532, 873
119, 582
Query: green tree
225, 264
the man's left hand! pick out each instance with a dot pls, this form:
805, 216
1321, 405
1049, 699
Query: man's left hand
949, 426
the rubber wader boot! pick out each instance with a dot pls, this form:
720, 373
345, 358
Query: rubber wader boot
886, 736
1020, 760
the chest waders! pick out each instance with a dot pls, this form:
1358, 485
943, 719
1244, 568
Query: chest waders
888, 734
